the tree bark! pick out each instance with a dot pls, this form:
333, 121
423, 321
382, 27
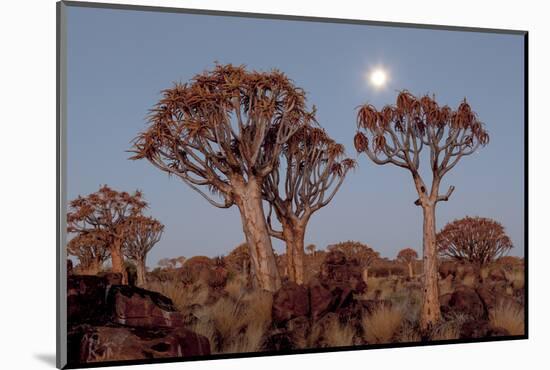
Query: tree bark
430, 311
366, 274
248, 198
140, 272
411, 273
117, 260
294, 234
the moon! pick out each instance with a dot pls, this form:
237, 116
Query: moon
378, 78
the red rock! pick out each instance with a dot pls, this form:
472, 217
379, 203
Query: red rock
99, 344
133, 306
290, 301
465, 300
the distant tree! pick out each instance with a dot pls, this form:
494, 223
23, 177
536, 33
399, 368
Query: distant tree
167, 263
476, 240
396, 135
408, 256
105, 213
91, 251
142, 235
224, 132
314, 172
311, 248
181, 260
239, 259
364, 254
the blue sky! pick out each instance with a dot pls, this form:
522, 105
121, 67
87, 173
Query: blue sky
119, 61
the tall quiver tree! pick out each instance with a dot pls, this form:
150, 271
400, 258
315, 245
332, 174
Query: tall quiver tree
397, 135
105, 213
314, 172
408, 256
222, 134
90, 249
142, 235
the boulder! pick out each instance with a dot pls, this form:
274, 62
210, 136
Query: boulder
339, 272
320, 299
475, 329
290, 301
133, 306
106, 343
86, 299
465, 300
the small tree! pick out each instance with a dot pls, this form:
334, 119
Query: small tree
104, 213
476, 240
224, 132
91, 250
142, 235
364, 254
396, 135
408, 256
311, 248
168, 263
314, 172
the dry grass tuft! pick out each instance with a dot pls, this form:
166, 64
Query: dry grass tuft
508, 316
339, 335
449, 329
382, 324
181, 295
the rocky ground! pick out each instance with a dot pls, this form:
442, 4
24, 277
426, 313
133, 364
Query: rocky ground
208, 306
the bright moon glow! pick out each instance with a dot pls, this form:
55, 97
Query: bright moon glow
378, 78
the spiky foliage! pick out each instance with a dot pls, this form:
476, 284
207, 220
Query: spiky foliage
364, 254
477, 240
397, 134
226, 123
407, 255
105, 214
142, 235
90, 249
315, 170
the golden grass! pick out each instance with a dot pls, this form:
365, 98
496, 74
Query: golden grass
508, 316
449, 329
339, 335
181, 295
382, 324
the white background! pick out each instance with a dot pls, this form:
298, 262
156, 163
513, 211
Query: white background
27, 182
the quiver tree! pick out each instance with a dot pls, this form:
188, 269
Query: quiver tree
397, 135
91, 250
364, 254
314, 172
222, 134
476, 240
239, 259
104, 214
142, 235
408, 256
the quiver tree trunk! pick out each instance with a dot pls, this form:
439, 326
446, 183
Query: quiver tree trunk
264, 267
411, 272
117, 260
141, 272
294, 234
430, 311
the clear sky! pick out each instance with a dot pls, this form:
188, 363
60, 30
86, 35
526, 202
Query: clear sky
120, 60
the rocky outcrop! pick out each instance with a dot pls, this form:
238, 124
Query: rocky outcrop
111, 322
106, 343
132, 306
